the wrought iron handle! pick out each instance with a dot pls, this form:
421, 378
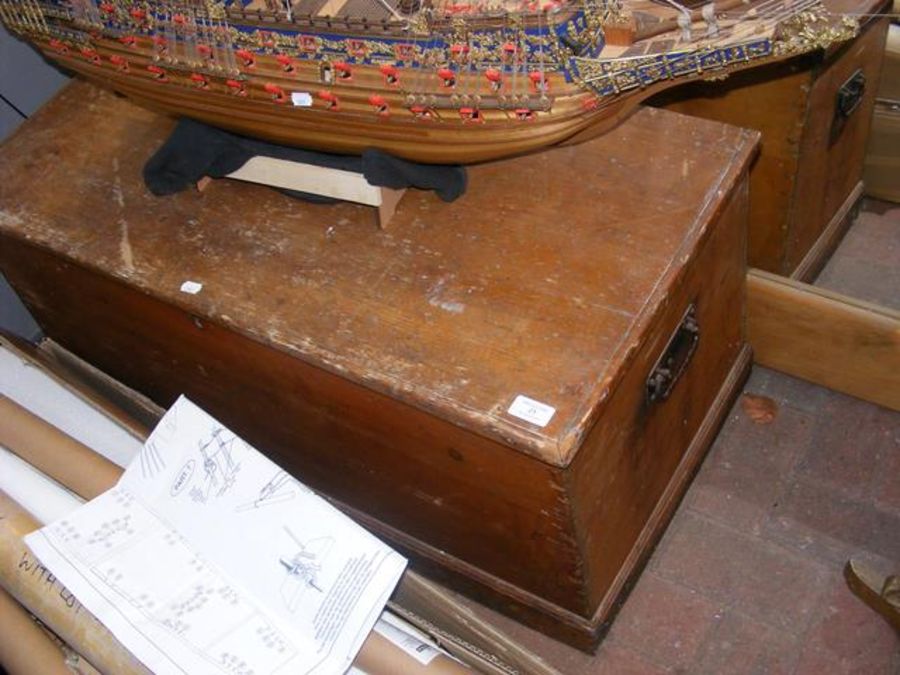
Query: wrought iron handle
850, 95
675, 357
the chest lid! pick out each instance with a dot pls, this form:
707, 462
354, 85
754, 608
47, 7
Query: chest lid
511, 312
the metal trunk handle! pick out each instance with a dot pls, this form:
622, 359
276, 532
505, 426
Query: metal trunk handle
675, 357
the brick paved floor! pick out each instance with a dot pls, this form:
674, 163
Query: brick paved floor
748, 577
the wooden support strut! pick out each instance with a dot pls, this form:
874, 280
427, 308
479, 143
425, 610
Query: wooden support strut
824, 337
320, 180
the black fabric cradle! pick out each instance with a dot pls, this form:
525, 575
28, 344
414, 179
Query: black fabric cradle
195, 150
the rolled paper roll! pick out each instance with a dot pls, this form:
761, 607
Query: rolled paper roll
83, 471
42, 497
381, 656
24, 646
34, 586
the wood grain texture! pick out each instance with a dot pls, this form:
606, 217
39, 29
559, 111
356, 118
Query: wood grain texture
831, 152
378, 366
433, 142
559, 256
882, 168
577, 113
802, 175
824, 337
818, 254
771, 100
623, 470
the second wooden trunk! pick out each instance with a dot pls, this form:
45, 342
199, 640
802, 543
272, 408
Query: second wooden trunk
514, 388
814, 113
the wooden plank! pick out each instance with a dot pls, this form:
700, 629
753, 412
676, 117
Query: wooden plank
331, 8
824, 337
87, 382
321, 180
348, 186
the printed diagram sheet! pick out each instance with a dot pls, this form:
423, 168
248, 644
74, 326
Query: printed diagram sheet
208, 558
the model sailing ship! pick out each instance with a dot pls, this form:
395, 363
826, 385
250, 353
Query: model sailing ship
428, 80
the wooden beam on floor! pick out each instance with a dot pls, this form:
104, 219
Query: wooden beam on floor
824, 337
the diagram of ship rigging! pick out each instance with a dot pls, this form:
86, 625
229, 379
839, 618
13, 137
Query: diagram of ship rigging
302, 568
280, 488
219, 466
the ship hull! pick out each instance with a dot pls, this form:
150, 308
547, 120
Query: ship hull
428, 141
468, 91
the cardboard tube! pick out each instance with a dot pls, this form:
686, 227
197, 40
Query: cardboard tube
88, 474
32, 585
24, 647
380, 656
83, 471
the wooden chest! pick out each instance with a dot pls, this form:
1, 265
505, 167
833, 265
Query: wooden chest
387, 369
807, 177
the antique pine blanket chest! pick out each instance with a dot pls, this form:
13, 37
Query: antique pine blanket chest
514, 388
814, 112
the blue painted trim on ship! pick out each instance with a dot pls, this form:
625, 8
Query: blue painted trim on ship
654, 68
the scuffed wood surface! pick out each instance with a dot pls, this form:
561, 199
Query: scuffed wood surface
535, 282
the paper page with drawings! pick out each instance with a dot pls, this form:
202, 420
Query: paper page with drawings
206, 557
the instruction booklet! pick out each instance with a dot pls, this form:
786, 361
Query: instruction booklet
206, 557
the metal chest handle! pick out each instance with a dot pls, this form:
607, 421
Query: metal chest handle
675, 357
850, 95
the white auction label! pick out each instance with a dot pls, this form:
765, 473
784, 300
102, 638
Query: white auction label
192, 287
531, 411
301, 98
